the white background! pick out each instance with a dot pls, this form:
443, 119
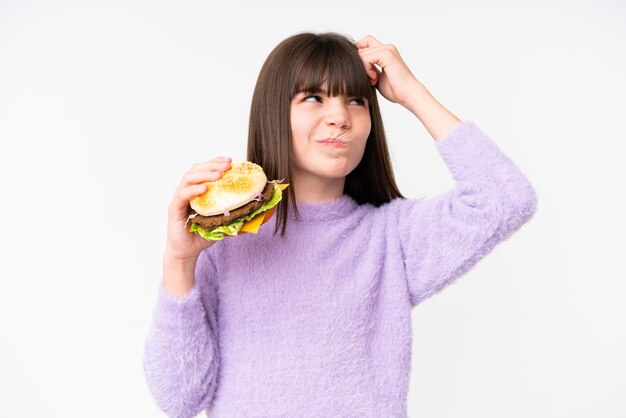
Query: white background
104, 105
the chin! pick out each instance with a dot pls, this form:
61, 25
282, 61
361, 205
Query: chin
338, 171
326, 167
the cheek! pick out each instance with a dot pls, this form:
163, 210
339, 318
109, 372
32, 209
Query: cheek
299, 149
363, 134
365, 128
299, 125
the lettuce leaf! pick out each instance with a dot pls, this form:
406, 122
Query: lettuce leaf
233, 228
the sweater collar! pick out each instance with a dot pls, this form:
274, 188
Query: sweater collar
325, 211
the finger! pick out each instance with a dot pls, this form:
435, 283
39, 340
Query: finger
371, 60
373, 74
223, 163
381, 55
187, 193
201, 175
207, 171
179, 206
367, 42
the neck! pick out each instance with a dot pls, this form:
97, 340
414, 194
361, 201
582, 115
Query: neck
314, 189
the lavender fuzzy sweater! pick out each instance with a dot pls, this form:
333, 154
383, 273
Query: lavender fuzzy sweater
318, 323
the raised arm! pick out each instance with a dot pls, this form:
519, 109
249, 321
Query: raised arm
442, 238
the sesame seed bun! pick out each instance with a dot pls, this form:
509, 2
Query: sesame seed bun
238, 186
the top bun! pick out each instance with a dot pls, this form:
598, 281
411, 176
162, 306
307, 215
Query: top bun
239, 185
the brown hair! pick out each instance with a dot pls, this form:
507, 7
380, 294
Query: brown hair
306, 61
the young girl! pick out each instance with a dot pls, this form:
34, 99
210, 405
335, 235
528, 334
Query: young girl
312, 317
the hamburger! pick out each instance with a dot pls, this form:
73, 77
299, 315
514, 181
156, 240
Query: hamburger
241, 196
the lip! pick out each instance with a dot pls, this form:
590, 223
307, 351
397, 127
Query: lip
332, 142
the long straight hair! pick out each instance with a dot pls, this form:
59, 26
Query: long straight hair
306, 61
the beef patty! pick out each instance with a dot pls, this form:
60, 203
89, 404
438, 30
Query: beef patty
210, 222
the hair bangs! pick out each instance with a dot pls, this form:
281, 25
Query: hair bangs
334, 68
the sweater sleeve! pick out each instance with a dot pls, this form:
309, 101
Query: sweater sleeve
181, 358
443, 237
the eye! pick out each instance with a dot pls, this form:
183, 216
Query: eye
312, 99
357, 101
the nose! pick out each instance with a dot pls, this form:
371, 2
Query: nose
337, 113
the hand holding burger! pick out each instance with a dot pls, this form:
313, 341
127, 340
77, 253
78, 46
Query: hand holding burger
183, 247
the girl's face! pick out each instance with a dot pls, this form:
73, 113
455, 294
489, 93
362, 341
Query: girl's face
328, 134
